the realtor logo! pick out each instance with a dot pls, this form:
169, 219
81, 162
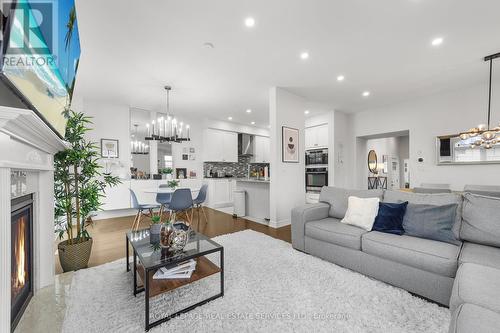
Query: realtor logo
28, 36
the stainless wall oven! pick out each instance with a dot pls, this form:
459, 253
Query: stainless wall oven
317, 157
316, 178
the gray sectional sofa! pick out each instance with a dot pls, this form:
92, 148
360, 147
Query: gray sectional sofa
464, 276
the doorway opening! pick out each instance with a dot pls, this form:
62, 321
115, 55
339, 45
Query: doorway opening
392, 154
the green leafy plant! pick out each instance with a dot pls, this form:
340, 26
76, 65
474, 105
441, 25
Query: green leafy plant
167, 171
156, 219
173, 183
78, 182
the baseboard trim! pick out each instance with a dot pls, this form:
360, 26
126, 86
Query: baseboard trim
280, 223
109, 214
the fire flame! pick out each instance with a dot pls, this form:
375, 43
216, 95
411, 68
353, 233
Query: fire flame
20, 255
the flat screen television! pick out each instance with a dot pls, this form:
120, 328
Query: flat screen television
40, 56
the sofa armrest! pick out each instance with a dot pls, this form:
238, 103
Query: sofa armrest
303, 214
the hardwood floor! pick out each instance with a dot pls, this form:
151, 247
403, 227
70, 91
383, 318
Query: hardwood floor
109, 234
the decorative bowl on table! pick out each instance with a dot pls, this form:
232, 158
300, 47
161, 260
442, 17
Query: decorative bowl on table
174, 237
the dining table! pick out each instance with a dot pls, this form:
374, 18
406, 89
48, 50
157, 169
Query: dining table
165, 190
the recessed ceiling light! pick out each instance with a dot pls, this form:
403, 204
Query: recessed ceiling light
340, 78
250, 22
249, 111
366, 93
208, 45
253, 123
304, 55
229, 118
306, 112
437, 41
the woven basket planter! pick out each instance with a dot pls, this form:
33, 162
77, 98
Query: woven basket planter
74, 256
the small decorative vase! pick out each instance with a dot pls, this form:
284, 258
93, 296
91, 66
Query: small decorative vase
169, 176
154, 229
178, 239
165, 232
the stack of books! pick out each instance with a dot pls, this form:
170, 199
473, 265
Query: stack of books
184, 270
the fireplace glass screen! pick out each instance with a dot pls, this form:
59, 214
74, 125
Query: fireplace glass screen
21, 256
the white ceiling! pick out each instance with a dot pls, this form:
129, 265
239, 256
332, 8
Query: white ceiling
131, 49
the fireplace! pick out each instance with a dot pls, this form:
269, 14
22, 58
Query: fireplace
21, 256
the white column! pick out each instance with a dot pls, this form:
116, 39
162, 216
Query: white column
5, 250
44, 231
287, 187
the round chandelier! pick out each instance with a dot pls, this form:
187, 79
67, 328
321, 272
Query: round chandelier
484, 136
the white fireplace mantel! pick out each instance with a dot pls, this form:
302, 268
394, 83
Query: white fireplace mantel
27, 143
26, 126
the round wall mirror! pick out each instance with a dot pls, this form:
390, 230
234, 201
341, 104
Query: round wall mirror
372, 161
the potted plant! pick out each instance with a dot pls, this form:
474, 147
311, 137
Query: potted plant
155, 227
167, 172
78, 188
173, 183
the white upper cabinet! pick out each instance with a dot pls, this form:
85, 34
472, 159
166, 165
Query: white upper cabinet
220, 146
261, 149
316, 136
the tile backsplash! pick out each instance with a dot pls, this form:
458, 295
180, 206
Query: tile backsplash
238, 170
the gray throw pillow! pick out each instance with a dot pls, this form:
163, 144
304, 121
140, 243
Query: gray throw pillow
431, 222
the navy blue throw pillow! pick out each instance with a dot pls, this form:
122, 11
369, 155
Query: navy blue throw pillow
390, 218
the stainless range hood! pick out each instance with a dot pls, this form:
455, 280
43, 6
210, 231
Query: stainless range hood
245, 144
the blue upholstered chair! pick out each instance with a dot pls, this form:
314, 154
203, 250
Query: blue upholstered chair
163, 199
181, 203
141, 208
199, 200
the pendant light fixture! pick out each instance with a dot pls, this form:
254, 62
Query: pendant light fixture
168, 129
485, 136
137, 147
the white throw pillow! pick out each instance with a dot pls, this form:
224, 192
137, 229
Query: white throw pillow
361, 212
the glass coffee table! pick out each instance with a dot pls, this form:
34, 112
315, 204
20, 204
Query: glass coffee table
149, 257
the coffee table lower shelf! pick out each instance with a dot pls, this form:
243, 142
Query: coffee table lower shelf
204, 268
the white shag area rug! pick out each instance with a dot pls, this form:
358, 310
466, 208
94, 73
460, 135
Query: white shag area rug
269, 287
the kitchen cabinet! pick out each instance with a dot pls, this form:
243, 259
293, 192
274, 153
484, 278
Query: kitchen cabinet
261, 149
220, 146
316, 136
220, 192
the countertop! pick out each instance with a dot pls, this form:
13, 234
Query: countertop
245, 180
253, 180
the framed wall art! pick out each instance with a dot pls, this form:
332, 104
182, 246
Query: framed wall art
290, 148
109, 148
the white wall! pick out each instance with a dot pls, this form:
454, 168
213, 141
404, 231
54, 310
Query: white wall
425, 118
287, 187
111, 121
343, 150
196, 135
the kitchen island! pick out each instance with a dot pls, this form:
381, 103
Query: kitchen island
257, 198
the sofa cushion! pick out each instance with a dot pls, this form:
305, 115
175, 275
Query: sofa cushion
436, 199
333, 231
337, 198
429, 255
481, 220
390, 218
431, 222
486, 190
476, 284
480, 254
472, 318
361, 212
